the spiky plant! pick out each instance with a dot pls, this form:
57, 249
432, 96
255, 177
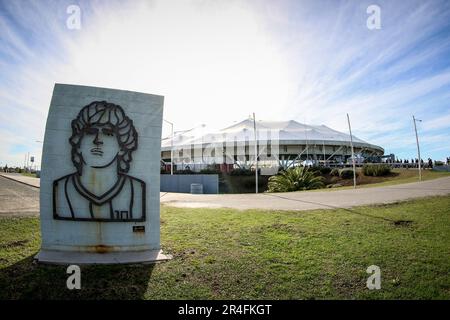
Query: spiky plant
295, 179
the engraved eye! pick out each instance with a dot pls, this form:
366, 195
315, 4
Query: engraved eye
91, 130
107, 132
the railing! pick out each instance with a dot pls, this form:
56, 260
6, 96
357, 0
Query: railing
395, 165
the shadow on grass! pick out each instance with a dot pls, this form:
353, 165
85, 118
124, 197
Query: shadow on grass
338, 208
27, 279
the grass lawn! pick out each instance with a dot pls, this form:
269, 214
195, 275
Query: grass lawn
407, 176
227, 254
246, 184
397, 176
28, 174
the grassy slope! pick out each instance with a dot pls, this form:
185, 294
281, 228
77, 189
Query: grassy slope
410, 175
258, 254
27, 174
401, 176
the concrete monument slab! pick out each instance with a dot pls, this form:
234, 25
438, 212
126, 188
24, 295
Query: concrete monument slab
100, 177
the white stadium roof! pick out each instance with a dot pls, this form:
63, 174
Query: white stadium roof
288, 132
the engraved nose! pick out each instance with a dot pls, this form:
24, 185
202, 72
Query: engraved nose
97, 141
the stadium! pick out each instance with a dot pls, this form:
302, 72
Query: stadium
279, 144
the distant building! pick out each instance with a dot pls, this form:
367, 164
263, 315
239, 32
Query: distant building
280, 144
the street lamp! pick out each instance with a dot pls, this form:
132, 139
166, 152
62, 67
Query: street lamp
171, 147
353, 153
256, 153
418, 148
38, 141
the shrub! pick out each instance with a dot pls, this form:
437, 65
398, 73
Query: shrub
314, 169
185, 171
241, 172
295, 179
210, 171
334, 172
376, 170
346, 173
438, 163
325, 170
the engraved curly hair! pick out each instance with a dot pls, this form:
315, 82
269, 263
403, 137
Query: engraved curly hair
104, 113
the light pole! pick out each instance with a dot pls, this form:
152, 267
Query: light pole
418, 148
256, 154
42, 142
353, 154
307, 147
171, 147
323, 148
28, 161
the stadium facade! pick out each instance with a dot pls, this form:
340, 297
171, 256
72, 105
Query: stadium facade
279, 144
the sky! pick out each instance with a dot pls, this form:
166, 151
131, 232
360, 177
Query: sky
217, 62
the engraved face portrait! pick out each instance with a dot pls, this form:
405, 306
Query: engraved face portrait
102, 143
99, 146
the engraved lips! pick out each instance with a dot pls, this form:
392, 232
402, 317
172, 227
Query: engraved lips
97, 151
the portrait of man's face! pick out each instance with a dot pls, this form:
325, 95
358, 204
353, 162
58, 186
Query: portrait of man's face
99, 146
102, 142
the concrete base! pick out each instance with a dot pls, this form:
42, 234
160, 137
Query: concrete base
78, 258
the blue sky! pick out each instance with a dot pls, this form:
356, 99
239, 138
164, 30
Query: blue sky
216, 62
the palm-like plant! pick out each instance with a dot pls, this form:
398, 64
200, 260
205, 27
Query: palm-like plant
295, 179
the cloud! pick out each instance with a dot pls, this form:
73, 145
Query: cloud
216, 62
380, 77
441, 122
211, 61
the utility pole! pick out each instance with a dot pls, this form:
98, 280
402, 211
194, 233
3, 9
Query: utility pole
323, 148
256, 154
418, 148
42, 142
171, 147
353, 154
307, 147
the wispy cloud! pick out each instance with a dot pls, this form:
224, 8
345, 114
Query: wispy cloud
210, 60
216, 62
380, 77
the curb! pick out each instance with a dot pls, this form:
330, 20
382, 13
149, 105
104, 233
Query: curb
22, 182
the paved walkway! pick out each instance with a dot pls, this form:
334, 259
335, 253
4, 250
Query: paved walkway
306, 200
312, 199
18, 199
34, 182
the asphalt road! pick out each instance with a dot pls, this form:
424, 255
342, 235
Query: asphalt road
309, 200
20, 199
17, 199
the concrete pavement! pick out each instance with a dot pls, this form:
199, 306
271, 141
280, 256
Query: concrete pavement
32, 182
309, 200
19, 199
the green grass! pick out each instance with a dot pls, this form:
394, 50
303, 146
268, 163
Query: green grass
410, 175
229, 254
28, 174
402, 176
